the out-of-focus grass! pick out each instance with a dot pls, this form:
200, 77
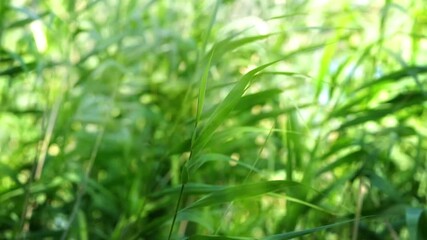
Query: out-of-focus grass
213, 119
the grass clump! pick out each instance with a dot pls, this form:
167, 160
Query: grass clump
212, 120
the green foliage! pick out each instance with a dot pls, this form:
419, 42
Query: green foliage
213, 119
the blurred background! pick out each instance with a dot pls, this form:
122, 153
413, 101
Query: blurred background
282, 118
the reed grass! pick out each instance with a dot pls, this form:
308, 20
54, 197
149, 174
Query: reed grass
213, 119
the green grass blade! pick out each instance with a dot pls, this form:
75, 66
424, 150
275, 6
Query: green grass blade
210, 157
350, 158
222, 111
228, 45
243, 191
392, 77
202, 90
308, 204
296, 234
210, 237
197, 217
413, 216
191, 189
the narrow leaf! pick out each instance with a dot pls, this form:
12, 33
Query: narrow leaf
413, 216
222, 111
242, 191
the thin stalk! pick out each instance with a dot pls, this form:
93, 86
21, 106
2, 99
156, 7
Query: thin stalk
361, 195
201, 98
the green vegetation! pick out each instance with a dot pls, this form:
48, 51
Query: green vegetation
233, 119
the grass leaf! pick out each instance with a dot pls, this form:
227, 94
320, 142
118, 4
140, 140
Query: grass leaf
243, 191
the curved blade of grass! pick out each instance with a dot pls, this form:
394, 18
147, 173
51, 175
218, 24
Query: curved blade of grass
348, 108
410, 71
190, 188
219, 157
324, 68
301, 233
290, 74
348, 159
272, 114
307, 204
250, 100
222, 111
401, 131
371, 115
339, 145
228, 45
197, 217
328, 191
243, 191
209, 237
408, 98
301, 210
202, 90
396, 104
236, 132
